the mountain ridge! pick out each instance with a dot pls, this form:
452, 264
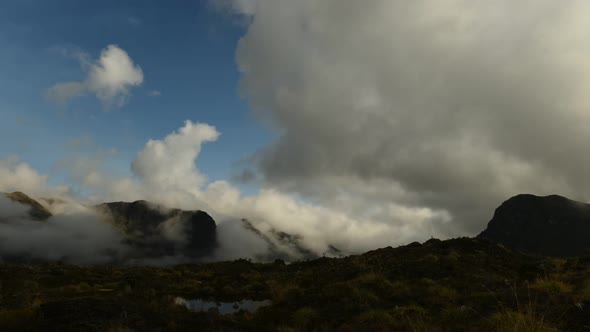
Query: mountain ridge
550, 225
36, 210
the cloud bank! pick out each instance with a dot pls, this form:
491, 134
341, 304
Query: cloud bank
75, 235
110, 78
452, 106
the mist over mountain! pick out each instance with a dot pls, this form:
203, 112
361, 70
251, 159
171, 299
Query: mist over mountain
154, 231
135, 233
36, 210
144, 233
283, 245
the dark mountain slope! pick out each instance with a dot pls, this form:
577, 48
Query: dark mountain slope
550, 225
36, 211
286, 246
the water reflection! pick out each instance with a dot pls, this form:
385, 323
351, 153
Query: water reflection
224, 308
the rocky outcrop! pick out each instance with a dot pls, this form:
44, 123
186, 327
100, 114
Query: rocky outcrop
550, 225
158, 231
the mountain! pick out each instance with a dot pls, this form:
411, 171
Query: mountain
155, 230
285, 246
36, 210
149, 231
550, 225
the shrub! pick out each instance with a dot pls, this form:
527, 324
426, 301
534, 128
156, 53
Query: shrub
524, 321
375, 281
551, 286
285, 293
412, 318
429, 259
582, 291
375, 315
304, 317
18, 320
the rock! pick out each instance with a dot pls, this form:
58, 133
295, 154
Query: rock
549, 225
158, 231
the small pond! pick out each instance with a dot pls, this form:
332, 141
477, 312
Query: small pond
224, 308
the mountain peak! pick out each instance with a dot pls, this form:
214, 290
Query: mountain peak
548, 225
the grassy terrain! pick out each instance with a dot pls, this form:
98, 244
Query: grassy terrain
454, 285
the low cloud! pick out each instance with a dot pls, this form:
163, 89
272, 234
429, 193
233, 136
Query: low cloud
110, 78
75, 235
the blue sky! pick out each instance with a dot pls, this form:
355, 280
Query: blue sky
185, 49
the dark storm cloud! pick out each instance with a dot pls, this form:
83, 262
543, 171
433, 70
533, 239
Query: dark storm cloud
453, 105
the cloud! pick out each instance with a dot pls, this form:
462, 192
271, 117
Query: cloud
64, 92
391, 106
19, 176
165, 173
110, 78
170, 163
77, 235
12, 210
154, 93
240, 7
245, 176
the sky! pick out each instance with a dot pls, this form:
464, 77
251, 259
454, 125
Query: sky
357, 124
185, 51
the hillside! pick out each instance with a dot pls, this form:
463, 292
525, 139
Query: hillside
455, 285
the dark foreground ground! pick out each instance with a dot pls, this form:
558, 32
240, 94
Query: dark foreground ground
455, 285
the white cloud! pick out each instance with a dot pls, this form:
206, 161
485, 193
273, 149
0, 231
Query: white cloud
154, 93
170, 163
110, 78
19, 176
